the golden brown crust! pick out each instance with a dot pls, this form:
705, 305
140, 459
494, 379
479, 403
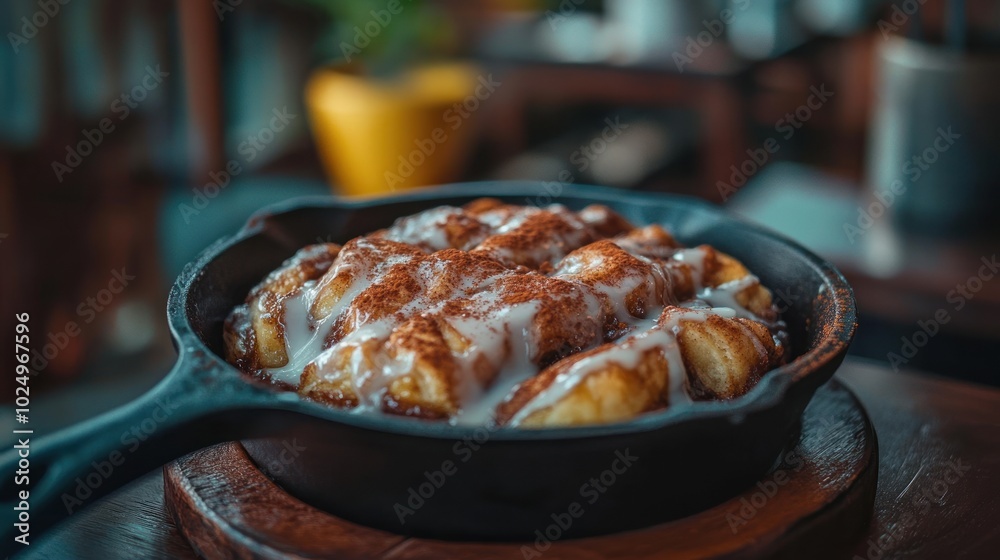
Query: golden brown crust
356, 264
721, 360
722, 356
725, 268
611, 394
254, 333
418, 318
429, 389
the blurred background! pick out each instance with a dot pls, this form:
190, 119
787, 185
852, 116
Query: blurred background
135, 133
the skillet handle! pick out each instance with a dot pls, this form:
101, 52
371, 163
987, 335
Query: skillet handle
196, 405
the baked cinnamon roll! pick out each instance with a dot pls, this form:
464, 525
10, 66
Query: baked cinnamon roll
509, 315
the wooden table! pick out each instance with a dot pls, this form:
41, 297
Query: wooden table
938, 492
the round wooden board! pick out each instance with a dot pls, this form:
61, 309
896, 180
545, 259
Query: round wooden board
812, 504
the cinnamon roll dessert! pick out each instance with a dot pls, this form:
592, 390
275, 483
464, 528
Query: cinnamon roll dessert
509, 315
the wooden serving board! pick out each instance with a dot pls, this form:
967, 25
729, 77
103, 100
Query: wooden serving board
815, 503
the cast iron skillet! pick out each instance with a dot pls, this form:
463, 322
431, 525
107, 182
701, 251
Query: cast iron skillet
432, 479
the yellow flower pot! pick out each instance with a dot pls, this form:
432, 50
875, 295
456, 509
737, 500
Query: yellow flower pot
379, 136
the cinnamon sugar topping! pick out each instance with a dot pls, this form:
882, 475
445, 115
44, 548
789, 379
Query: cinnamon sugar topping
518, 315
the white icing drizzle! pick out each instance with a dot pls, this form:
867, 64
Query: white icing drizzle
507, 217
658, 335
695, 257
305, 336
303, 341
426, 228
506, 340
724, 295
552, 249
501, 335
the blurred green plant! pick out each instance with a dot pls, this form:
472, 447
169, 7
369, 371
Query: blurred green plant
379, 37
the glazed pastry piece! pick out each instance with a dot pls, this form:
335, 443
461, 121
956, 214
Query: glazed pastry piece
651, 241
254, 334
725, 357
515, 235
628, 284
518, 315
451, 353
740, 290
446, 227
533, 237
700, 353
362, 263
716, 347
360, 336
599, 386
